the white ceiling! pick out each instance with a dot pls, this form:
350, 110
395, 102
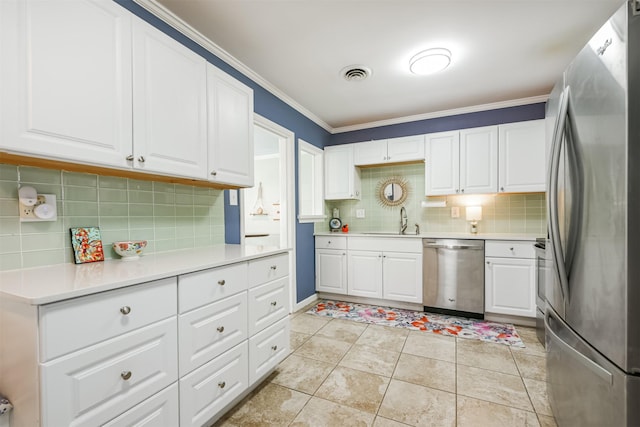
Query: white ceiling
503, 50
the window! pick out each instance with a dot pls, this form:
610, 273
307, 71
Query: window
310, 183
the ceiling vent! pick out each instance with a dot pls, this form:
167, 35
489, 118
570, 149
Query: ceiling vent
355, 73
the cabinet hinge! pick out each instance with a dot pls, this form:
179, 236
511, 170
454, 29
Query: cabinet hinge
635, 7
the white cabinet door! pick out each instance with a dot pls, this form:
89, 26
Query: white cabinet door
479, 160
331, 271
268, 348
160, 410
170, 105
370, 152
521, 157
66, 73
402, 277
365, 274
230, 129
342, 178
405, 149
510, 286
442, 164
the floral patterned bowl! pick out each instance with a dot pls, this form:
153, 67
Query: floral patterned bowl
129, 250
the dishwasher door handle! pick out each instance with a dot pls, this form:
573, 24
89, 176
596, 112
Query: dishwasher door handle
439, 246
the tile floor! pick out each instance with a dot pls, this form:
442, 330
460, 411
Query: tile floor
344, 373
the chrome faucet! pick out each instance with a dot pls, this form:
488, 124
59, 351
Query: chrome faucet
417, 229
403, 220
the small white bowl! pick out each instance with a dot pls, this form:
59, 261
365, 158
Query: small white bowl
129, 250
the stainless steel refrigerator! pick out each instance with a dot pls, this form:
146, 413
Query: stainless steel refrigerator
593, 292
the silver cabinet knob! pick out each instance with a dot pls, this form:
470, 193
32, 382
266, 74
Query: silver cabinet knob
273, 267
220, 329
488, 262
451, 299
511, 249
501, 188
130, 157
141, 159
222, 384
274, 303
125, 310
221, 282
214, 173
457, 191
274, 347
462, 191
125, 375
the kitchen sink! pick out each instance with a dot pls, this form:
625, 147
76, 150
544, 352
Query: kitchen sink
383, 233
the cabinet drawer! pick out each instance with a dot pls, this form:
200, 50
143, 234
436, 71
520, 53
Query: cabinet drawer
208, 389
71, 325
160, 410
264, 270
211, 330
393, 244
331, 242
509, 249
204, 287
269, 303
91, 385
267, 349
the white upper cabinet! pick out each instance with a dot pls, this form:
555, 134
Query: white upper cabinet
69, 96
396, 150
342, 178
522, 157
230, 129
442, 164
170, 105
479, 160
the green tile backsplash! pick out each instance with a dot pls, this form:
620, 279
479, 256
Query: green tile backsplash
168, 216
501, 213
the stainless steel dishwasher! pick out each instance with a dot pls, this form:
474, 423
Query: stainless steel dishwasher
453, 276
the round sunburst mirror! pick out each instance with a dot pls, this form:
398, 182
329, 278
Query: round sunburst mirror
392, 191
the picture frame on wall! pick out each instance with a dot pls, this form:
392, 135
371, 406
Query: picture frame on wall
87, 244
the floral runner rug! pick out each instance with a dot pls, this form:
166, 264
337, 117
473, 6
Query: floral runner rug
483, 330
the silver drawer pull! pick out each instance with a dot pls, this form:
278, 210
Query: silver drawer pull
221, 282
273, 267
125, 375
220, 329
222, 384
274, 303
141, 159
511, 249
125, 310
274, 347
130, 158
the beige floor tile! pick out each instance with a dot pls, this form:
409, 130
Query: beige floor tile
430, 345
322, 413
493, 386
426, 372
301, 373
418, 406
296, 339
530, 340
384, 422
478, 413
270, 405
342, 330
384, 337
531, 366
308, 323
494, 357
538, 393
371, 359
323, 349
546, 421
356, 389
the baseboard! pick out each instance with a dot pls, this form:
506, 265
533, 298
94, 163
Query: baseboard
305, 302
371, 301
516, 320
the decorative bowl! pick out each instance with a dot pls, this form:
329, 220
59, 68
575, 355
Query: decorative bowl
129, 250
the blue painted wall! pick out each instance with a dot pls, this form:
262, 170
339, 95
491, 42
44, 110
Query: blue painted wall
269, 106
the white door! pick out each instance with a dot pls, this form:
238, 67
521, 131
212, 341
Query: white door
66, 74
370, 152
405, 149
170, 105
331, 271
479, 160
402, 277
522, 157
510, 286
364, 276
442, 163
230, 129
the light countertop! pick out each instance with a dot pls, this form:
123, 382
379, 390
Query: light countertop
438, 235
42, 285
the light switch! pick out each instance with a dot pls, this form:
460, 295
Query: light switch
359, 213
455, 212
233, 197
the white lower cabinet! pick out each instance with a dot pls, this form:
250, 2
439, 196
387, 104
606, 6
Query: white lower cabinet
510, 278
331, 264
160, 410
364, 274
402, 277
267, 349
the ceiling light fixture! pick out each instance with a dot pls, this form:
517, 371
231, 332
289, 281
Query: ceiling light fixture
430, 61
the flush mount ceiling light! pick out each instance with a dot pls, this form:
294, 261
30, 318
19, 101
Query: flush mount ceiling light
430, 61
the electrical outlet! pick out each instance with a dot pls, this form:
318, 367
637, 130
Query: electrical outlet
28, 213
455, 212
359, 213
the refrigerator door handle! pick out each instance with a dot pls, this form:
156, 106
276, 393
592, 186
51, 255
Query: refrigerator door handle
594, 367
554, 226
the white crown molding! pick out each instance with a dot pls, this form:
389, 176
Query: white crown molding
174, 21
443, 113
